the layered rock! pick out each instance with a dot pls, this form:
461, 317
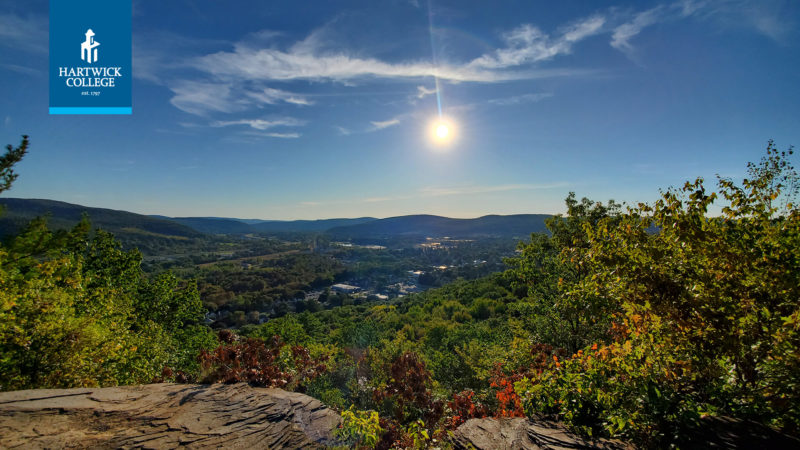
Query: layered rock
165, 416
522, 434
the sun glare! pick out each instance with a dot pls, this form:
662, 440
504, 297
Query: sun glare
442, 132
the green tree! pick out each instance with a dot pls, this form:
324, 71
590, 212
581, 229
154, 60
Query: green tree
547, 269
76, 310
8, 160
704, 307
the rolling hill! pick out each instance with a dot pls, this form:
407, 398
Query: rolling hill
222, 225
152, 235
134, 228
518, 225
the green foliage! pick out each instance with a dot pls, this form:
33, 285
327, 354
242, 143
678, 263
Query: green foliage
704, 312
70, 314
76, 310
360, 429
12, 156
418, 434
546, 270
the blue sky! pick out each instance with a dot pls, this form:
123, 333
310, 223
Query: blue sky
286, 110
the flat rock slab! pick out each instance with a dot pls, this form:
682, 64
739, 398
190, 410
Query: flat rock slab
522, 434
165, 416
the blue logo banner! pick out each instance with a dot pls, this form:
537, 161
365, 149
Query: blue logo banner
90, 57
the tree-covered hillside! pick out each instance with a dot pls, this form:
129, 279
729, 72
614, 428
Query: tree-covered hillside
149, 234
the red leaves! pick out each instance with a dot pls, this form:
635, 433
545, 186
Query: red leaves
464, 408
408, 388
259, 363
508, 402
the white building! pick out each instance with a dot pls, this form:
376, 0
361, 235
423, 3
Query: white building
345, 288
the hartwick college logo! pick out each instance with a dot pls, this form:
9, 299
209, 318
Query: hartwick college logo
88, 80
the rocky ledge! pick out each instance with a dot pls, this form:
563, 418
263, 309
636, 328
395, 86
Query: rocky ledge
164, 416
523, 434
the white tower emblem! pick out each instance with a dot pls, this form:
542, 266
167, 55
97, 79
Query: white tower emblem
89, 48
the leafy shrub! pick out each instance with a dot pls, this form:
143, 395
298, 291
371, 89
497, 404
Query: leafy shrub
360, 429
704, 312
261, 363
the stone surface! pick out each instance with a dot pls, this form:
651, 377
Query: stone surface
164, 416
517, 434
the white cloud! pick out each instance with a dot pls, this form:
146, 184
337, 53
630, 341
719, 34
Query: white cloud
442, 192
472, 190
261, 124
385, 124
24, 33
244, 78
770, 18
518, 99
314, 59
764, 16
22, 69
423, 92
241, 79
343, 131
623, 33
200, 98
283, 135
527, 44
272, 96
204, 97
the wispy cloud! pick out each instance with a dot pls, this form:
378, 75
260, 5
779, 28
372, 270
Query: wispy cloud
423, 92
205, 97
261, 124
312, 59
201, 98
241, 79
343, 131
282, 135
22, 69
527, 44
473, 190
243, 76
519, 99
770, 18
24, 33
428, 192
622, 35
385, 124
763, 16
272, 96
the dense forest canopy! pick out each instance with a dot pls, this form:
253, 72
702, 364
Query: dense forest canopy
634, 322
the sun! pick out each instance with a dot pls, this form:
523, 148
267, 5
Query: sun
442, 131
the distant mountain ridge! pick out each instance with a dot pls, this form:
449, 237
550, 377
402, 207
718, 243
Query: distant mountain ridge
517, 225
221, 225
17, 212
63, 215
